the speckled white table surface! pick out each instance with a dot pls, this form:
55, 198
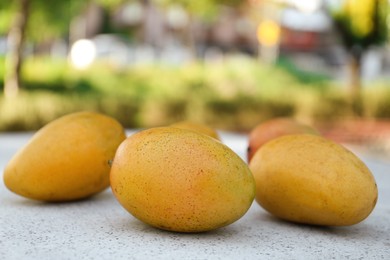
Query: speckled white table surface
99, 228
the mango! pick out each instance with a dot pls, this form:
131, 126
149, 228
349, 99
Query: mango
197, 127
179, 180
273, 128
68, 159
311, 180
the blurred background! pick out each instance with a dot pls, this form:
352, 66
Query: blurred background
230, 64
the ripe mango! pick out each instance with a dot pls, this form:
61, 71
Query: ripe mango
68, 159
274, 128
180, 180
312, 180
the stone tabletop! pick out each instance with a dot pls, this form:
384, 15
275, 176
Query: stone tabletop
99, 228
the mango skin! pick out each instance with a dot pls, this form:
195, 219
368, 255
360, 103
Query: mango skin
180, 180
273, 128
197, 127
311, 180
68, 159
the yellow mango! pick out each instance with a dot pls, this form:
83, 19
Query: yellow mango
68, 159
180, 180
274, 128
309, 179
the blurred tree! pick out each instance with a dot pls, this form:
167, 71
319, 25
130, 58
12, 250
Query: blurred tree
16, 38
361, 25
36, 21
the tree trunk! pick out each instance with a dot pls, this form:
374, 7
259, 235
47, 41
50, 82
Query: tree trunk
355, 84
14, 57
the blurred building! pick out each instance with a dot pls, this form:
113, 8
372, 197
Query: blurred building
309, 39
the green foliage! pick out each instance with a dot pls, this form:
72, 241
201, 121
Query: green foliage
205, 9
376, 100
233, 95
110, 3
362, 23
302, 76
6, 13
46, 19
49, 19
